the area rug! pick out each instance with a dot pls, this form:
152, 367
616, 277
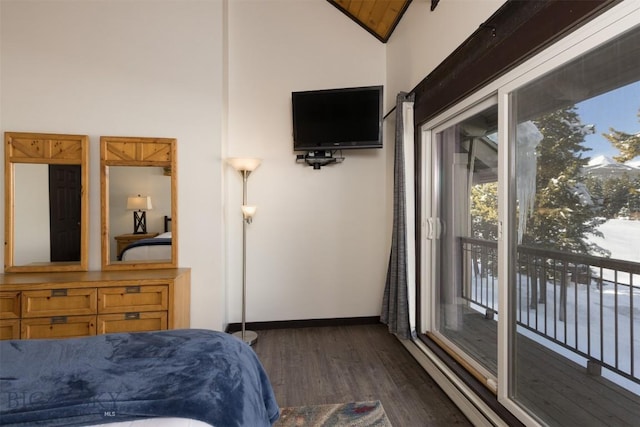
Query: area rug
354, 414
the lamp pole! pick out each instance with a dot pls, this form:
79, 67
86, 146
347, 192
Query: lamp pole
249, 337
245, 166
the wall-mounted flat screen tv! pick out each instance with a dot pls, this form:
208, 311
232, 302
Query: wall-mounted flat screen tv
333, 119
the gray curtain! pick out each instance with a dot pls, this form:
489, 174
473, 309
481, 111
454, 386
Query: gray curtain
395, 303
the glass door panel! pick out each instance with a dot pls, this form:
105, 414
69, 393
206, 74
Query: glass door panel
576, 288
466, 251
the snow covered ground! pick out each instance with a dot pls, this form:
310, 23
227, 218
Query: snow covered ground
621, 238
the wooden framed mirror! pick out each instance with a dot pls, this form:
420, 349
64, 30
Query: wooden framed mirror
138, 188
46, 202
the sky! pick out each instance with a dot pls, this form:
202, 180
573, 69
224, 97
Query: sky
617, 109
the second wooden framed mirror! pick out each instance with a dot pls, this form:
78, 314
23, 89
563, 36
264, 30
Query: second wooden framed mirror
138, 186
46, 202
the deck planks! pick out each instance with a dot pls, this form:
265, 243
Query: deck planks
556, 389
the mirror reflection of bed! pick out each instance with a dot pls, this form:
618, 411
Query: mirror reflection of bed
128, 181
152, 248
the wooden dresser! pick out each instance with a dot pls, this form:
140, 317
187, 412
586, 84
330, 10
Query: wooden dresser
73, 304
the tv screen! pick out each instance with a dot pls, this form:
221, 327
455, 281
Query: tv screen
337, 118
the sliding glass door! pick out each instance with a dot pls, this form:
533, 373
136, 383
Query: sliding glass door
531, 211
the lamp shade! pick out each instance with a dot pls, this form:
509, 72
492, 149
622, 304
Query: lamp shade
139, 203
244, 164
248, 211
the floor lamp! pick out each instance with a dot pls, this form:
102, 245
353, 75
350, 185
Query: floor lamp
245, 166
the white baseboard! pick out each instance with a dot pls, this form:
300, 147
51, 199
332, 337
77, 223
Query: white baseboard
477, 411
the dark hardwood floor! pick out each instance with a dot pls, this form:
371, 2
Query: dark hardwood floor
322, 365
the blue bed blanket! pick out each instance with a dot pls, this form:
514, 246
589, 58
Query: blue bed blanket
204, 375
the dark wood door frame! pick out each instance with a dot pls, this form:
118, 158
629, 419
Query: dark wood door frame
514, 33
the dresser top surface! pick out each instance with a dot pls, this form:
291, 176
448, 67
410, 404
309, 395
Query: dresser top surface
9, 279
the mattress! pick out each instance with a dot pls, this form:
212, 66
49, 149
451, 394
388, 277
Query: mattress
158, 422
143, 252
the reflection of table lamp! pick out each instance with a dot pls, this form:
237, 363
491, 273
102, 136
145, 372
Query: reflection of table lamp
139, 205
245, 167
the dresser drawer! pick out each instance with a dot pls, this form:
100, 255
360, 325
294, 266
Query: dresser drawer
59, 302
9, 329
58, 327
9, 305
132, 322
133, 299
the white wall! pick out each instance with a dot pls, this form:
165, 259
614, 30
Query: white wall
424, 38
129, 68
318, 246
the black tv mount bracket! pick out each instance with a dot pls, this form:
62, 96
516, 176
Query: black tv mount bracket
317, 159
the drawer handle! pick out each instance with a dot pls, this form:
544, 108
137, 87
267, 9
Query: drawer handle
58, 292
132, 316
132, 289
57, 320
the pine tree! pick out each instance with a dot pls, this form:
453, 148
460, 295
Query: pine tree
616, 192
484, 211
628, 144
564, 213
484, 224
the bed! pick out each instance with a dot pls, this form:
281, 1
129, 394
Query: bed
156, 248
188, 376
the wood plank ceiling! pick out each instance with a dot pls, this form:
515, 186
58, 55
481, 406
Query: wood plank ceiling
379, 17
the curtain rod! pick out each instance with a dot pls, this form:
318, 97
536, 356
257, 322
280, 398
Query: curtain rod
394, 107
389, 113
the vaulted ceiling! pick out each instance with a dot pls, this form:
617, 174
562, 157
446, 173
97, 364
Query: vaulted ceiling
379, 17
